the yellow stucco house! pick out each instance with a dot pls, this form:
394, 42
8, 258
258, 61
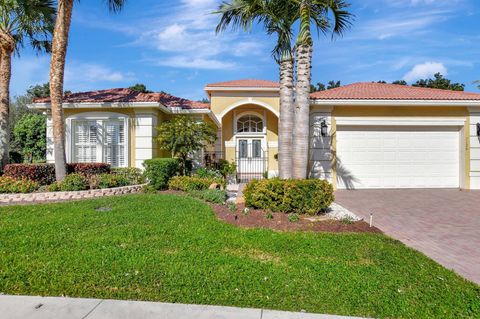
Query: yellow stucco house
363, 135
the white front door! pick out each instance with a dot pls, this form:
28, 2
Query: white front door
251, 157
398, 157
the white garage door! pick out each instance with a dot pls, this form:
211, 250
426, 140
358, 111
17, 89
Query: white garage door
405, 157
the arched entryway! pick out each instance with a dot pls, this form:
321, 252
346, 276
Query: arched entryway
250, 139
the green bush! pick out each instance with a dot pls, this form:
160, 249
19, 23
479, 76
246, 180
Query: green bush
309, 196
12, 185
208, 173
192, 183
133, 175
158, 171
226, 168
72, 182
111, 181
216, 196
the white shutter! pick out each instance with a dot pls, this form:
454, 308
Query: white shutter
114, 143
85, 141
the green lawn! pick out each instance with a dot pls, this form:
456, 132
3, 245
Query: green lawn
171, 248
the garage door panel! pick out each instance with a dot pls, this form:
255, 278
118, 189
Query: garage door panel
408, 157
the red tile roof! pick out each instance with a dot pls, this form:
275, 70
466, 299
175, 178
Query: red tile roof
127, 96
381, 91
246, 83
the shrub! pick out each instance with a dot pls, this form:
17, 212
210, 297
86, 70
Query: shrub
310, 196
226, 168
158, 171
72, 182
216, 196
88, 169
43, 174
232, 206
192, 183
11, 185
208, 173
293, 218
111, 181
133, 175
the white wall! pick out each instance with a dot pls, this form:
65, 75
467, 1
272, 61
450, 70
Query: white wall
474, 149
145, 132
50, 155
321, 156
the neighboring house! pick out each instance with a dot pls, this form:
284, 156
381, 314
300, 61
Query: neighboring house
363, 135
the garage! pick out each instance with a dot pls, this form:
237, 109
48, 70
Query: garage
397, 156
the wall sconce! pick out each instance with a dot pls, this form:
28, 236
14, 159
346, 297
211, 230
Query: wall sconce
324, 128
478, 129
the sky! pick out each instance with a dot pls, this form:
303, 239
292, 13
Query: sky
172, 46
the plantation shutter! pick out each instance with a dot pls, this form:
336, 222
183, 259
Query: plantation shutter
85, 141
114, 143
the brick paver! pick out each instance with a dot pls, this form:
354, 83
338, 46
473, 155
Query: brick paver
444, 224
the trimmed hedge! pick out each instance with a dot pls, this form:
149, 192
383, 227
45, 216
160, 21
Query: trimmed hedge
192, 183
11, 185
88, 169
72, 182
43, 174
309, 196
111, 181
134, 175
159, 171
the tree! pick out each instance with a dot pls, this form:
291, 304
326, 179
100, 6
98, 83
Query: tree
30, 137
318, 12
39, 90
277, 17
183, 135
57, 72
439, 82
320, 87
139, 87
204, 100
21, 22
400, 82
477, 82
333, 85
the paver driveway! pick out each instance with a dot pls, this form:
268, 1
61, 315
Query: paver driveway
444, 224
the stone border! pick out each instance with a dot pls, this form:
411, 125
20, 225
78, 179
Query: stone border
9, 199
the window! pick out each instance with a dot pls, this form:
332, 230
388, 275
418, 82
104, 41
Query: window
249, 124
99, 141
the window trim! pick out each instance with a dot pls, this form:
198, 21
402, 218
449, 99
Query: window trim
237, 116
96, 116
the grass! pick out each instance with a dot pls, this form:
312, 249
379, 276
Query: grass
173, 249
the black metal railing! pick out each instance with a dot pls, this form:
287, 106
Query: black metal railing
250, 168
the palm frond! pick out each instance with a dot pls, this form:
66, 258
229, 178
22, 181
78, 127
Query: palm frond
116, 5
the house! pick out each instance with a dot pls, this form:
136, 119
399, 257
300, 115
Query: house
363, 135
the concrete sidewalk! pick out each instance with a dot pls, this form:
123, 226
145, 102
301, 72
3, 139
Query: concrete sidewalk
26, 307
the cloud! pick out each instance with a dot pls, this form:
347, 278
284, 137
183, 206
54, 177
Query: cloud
425, 70
195, 63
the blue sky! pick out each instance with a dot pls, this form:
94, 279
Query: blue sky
172, 46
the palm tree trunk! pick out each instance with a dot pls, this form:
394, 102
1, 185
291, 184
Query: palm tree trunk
57, 70
285, 134
5, 76
302, 110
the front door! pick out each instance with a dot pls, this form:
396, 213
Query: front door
251, 158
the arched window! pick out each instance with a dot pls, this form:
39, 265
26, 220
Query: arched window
250, 124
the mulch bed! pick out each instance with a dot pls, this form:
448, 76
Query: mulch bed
256, 219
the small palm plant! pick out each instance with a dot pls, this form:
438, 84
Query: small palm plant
21, 22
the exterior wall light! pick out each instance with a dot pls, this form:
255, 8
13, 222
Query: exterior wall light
324, 128
478, 129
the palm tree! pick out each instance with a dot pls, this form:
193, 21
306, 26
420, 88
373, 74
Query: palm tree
277, 18
316, 11
57, 70
21, 21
